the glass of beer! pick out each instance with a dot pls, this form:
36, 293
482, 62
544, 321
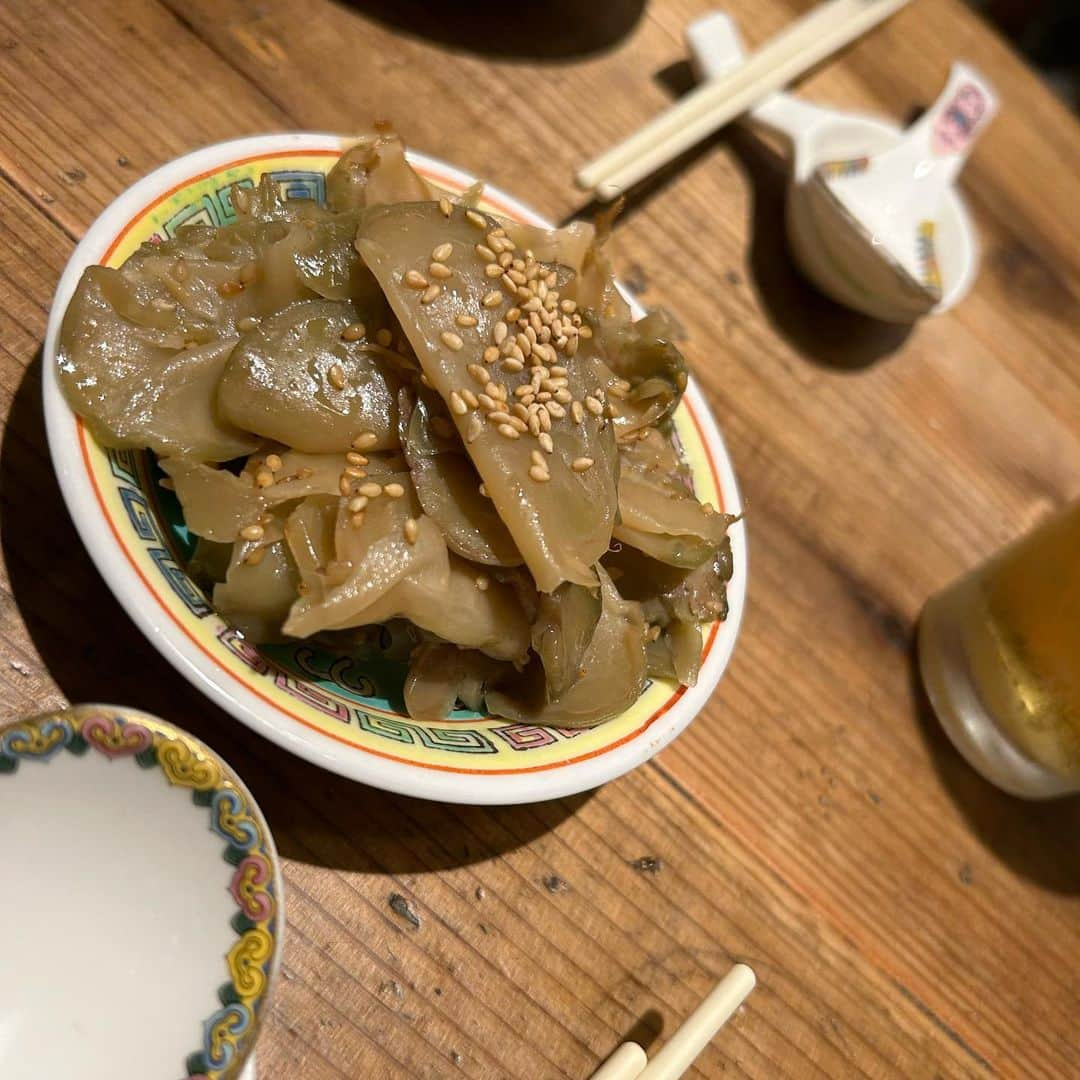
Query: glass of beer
999, 652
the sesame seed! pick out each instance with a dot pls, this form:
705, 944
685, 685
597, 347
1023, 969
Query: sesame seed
485, 252
593, 405
572, 347
534, 424
451, 340
384, 338
357, 503
482, 583
442, 252
501, 330
581, 464
518, 353
304, 472
345, 484
532, 304
371, 489
256, 557
556, 410
507, 431
365, 440
545, 418
546, 442
512, 365
264, 478
519, 410
513, 315
356, 520
474, 428
493, 270
499, 417
439, 270
563, 396
522, 390
519, 264
508, 284
394, 490
506, 260
585, 331
541, 476
492, 390
487, 402
430, 293
478, 372
411, 530
544, 395
252, 532
568, 306
415, 280
353, 458
500, 232
483, 491
273, 462
538, 459
491, 354
444, 207
476, 219
466, 321
336, 376
470, 398
457, 404
492, 299
618, 391
354, 471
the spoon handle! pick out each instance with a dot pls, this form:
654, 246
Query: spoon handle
949, 129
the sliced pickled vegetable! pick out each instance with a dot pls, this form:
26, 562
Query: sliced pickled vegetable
560, 516
610, 674
258, 592
448, 487
305, 378
440, 676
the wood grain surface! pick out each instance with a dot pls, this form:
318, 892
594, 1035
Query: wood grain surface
904, 918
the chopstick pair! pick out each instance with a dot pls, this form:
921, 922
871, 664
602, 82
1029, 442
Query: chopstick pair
801, 45
678, 1053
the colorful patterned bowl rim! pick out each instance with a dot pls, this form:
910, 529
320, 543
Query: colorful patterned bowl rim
320, 707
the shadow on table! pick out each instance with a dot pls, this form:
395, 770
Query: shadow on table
557, 30
95, 653
1038, 840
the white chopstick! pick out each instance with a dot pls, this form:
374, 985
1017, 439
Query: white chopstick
629, 1061
697, 1031
795, 50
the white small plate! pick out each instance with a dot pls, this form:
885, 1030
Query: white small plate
142, 899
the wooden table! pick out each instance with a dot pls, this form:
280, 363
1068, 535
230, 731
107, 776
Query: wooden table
904, 918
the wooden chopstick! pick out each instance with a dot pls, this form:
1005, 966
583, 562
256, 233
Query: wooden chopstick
797, 48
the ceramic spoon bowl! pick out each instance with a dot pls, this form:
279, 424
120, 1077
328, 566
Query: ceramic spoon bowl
829, 250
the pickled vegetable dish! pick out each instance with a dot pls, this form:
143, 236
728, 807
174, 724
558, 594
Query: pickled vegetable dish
396, 410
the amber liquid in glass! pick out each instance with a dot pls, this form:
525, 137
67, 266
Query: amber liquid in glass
1000, 657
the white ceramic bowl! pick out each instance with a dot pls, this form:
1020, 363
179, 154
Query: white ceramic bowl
321, 706
142, 896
